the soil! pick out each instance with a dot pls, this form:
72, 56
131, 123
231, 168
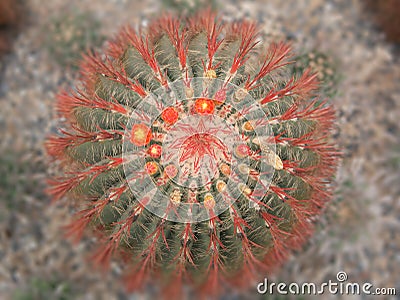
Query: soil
359, 232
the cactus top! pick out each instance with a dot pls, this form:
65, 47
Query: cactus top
194, 152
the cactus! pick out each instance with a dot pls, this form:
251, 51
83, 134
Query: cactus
324, 66
194, 153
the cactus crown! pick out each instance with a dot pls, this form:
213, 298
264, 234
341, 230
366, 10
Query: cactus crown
194, 152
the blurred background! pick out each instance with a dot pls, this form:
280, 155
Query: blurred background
354, 45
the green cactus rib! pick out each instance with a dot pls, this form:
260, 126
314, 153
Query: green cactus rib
241, 241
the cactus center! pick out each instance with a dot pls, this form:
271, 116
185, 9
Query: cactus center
197, 148
200, 155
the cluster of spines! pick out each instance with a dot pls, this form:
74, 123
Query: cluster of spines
241, 240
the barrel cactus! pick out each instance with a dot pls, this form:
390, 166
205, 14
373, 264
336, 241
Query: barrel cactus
194, 153
325, 68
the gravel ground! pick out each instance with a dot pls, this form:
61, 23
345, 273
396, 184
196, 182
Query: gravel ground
358, 234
